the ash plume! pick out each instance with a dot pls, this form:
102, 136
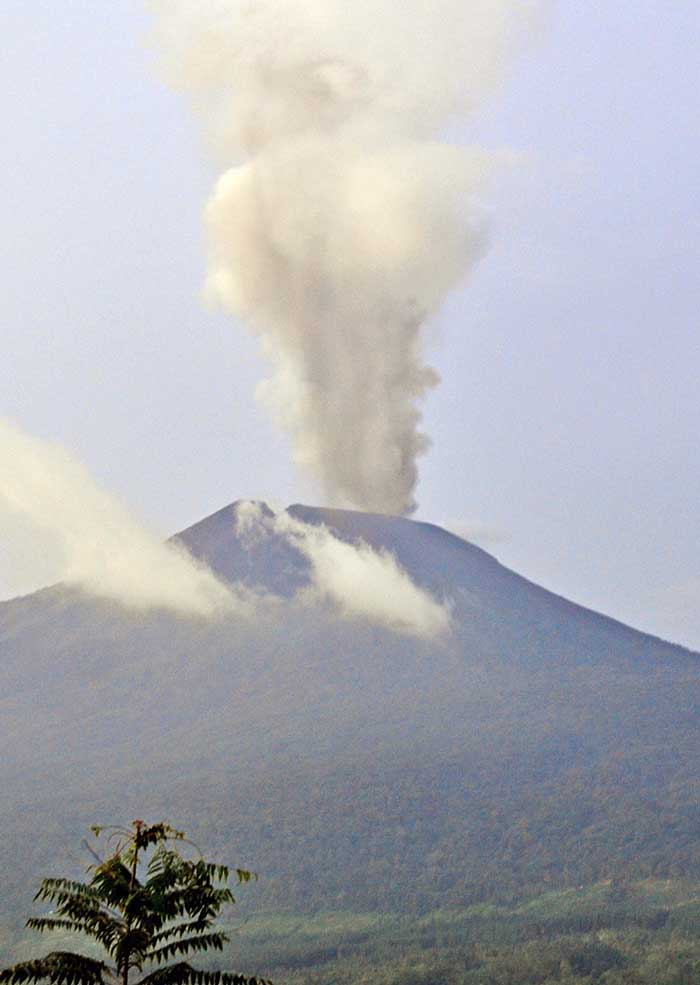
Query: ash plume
344, 220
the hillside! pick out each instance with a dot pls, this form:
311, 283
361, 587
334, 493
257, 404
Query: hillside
542, 745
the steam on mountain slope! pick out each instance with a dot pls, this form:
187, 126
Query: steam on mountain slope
535, 744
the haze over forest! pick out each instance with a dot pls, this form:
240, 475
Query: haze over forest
437, 767
433, 267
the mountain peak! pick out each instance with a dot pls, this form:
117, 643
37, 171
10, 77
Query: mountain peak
429, 554
341, 735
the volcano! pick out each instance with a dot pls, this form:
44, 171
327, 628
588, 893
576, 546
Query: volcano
540, 745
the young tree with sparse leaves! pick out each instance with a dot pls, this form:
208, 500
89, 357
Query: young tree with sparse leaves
141, 923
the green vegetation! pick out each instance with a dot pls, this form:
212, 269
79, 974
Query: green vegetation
139, 923
612, 933
548, 749
646, 933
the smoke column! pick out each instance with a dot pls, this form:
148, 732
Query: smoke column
344, 221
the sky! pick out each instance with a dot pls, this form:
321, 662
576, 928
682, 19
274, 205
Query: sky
564, 431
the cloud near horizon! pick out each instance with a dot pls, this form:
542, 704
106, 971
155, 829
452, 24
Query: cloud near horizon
93, 540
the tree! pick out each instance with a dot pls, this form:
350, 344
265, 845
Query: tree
141, 923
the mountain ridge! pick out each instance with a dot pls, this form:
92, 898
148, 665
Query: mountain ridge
356, 525
541, 745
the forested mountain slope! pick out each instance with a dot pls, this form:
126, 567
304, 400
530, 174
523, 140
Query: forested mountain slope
540, 745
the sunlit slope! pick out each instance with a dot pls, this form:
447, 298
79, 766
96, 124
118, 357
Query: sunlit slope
541, 744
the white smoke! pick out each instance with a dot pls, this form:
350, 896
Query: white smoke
347, 221
94, 542
252, 522
359, 582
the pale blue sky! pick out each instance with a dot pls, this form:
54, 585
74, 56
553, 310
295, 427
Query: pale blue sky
565, 429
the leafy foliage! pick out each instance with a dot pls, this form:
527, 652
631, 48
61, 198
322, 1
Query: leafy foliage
141, 923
